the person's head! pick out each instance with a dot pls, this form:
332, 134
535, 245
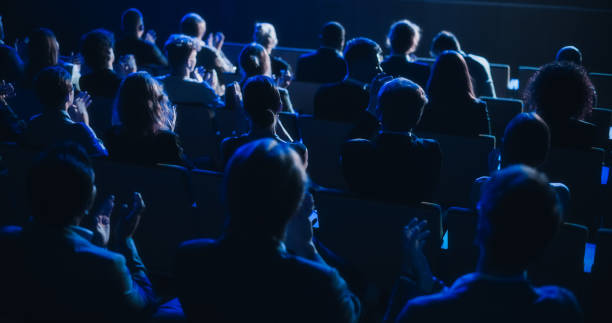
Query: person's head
569, 54
444, 40
265, 35
43, 49
403, 37
519, 214
262, 101
450, 79
53, 86
60, 186
363, 57
560, 90
526, 141
141, 104
97, 49
400, 105
132, 23
254, 60
182, 54
265, 182
126, 65
193, 25
332, 35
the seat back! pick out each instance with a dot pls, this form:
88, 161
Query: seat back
100, 115
291, 55
501, 111
525, 73
15, 163
324, 140
302, 96
195, 127
367, 234
601, 278
25, 104
603, 85
462, 250
209, 208
289, 121
230, 122
500, 73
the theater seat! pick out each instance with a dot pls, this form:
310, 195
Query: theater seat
501, 111
194, 125
100, 115
230, 122
525, 73
289, 121
302, 96
209, 208
601, 278
603, 85
462, 250
500, 73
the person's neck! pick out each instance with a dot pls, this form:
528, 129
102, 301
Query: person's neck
489, 267
359, 77
260, 132
183, 73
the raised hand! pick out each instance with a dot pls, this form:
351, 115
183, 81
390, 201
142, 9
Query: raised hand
78, 111
218, 40
413, 240
129, 223
102, 229
6, 91
299, 234
150, 36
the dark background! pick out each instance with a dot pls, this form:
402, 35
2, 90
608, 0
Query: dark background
524, 32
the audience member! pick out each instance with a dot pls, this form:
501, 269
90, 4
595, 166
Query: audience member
43, 51
11, 66
179, 85
519, 215
55, 270
126, 65
327, 64
132, 42
55, 125
478, 66
453, 107
569, 54
265, 35
97, 51
269, 232
562, 94
403, 39
11, 127
396, 165
145, 134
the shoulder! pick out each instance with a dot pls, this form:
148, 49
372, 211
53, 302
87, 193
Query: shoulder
357, 145
166, 136
558, 301
192, 246
425, 308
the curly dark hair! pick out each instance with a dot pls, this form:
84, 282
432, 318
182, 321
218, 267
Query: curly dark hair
560, 90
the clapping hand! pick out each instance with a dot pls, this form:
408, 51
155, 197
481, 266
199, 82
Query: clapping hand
150, 37
78, 111
102, 228
131, 218
215, 40
299, 230
413, 240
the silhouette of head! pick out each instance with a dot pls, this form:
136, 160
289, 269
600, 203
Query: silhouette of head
569, 54
363, 57
332, 35
193, 25
450, 79
60, 186
526, 141
141, 104
43, 50
519, 215
254, 60
404, 37
265, 35
132, 22
444, 40
97, 49
400, 105
560, 90
181, 51
53, 87
262, 102
265, 183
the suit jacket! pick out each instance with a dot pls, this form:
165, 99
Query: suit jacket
103, 83
574, 134
480, 71
400, 66
325, 65
146, 54
238, 279
190, 91
229, 146
11, 66
470, 119
162, 147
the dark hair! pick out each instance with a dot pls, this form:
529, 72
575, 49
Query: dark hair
253, 58
400, 104
131, 19
53, 86
43, 51
190, 24
332, 35
404, 36
264, 185
60, 185
444, 40
519, 216
450, 79
526, 141
360, 50
261, 100
178, 48
141, 103
560, 90
96, 47
570, 54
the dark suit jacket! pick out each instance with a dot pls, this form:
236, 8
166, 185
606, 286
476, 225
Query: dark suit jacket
11, 66
400, 66
471, 119
103, 83
146, 54
162, 147
236, 279
325, 65
572, 133
395, 167
229, 146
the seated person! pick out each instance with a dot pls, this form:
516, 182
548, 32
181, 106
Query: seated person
54, 90
262, 103
327, 64
54, 270
144, 135
519, 216
126, 65
569, 54
42, 51
97, 51
403, 38
132, 42
478, 66
396, 165
269, 233
179, 85
11, 127
11, 65
563, 95
265, 35
453, 107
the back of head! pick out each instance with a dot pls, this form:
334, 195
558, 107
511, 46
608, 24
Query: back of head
362, 52
400, 104
265, 34
60, 185
141, 104
444, 40
404, 37
332, 35
97, 48
254, 60
519, 215
131, 21
53, 87
560, 90
450, 79
526, 141
193, 25
43, 50
262, 100
569, 54
178, 48
264, 186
